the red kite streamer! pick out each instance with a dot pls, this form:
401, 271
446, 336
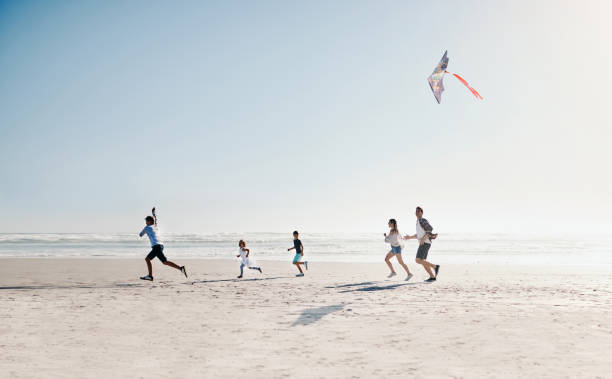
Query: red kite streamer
466, 84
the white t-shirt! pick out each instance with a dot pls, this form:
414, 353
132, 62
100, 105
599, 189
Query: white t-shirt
394, 239
151, 232
242, 253
247, 261
421, 232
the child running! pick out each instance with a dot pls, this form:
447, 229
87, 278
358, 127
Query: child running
246, 259
299, 253
395, 239
157, 248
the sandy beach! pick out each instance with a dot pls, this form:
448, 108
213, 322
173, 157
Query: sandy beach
93, 318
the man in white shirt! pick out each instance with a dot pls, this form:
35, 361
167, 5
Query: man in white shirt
424, 235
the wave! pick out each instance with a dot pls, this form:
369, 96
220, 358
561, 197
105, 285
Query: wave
343, 247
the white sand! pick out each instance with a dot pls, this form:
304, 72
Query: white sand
93, 318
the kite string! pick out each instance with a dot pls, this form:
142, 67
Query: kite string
474, 92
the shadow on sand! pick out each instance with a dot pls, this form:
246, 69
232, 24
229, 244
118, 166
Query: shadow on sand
312, 315
353, 285
74, 286
140, 284
240, 280
379, 288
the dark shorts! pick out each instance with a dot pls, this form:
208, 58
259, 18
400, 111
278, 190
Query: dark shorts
157, 251
423, 251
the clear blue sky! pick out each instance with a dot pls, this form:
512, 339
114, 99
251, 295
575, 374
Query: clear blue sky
275, 115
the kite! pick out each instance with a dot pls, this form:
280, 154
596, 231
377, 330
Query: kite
435, 79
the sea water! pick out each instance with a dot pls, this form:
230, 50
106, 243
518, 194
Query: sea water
337, 247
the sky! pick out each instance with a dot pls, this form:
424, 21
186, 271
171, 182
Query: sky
235, 116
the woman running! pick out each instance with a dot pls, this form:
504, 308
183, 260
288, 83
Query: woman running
395, 239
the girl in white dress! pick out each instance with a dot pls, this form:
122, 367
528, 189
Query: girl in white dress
246, 259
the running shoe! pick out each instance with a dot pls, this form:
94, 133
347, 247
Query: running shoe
300, 274
408, 277
240, 276
148, 277
391, 275
430, 280
184, 271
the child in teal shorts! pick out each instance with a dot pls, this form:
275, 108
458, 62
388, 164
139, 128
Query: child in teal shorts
299, 253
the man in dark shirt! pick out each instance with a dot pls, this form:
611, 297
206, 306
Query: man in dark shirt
299, 253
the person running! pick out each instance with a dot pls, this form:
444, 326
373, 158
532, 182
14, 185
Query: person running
299, 253
157, 247
424, 235
247, 260
395, 239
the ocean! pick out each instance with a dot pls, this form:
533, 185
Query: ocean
337, 247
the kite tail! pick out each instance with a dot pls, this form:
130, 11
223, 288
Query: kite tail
474, 92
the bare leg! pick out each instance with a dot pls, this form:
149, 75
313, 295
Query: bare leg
401, 262
172, 264
149, 266
426, 265
388, 260
297, 264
